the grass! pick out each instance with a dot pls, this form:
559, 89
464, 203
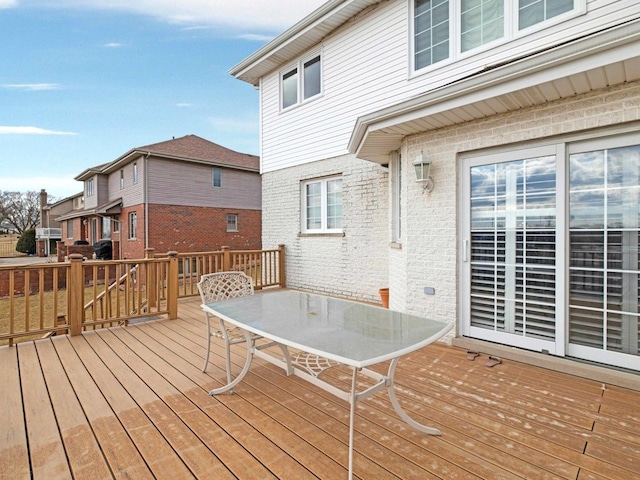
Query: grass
49, 303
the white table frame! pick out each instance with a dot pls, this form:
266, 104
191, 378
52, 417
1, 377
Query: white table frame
294, 366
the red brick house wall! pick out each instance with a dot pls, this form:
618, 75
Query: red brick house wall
131, 247
200, 229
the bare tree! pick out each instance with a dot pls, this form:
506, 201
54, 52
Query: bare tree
22, 210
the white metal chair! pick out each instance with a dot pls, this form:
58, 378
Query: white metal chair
214, 287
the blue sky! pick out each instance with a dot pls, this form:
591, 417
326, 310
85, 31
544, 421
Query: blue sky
84, 81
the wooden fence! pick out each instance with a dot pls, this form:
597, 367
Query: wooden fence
69, 297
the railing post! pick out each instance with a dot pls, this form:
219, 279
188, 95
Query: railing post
152, 279
75, 294
226, 259
281, 266
172, 286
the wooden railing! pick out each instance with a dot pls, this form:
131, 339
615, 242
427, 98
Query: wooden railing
52, 298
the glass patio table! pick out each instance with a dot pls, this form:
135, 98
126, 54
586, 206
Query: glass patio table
325, 332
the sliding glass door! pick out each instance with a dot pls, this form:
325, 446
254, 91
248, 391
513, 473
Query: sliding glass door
550, 256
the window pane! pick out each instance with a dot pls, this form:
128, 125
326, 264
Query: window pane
290, 88
106, 227
431, 32
334, 204
312, 77
604, 214
217, 177
532, 12
314, 206
482, 21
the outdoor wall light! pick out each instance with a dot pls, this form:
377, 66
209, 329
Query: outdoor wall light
423, 166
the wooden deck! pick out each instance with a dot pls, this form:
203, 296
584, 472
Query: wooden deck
131, 402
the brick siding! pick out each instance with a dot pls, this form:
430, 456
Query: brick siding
200, 229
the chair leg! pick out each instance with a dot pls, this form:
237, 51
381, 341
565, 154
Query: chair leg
206, 357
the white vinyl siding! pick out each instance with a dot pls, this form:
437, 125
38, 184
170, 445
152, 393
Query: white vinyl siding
355, 82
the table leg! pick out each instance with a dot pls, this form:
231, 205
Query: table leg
230, 384
400, 411
352, 413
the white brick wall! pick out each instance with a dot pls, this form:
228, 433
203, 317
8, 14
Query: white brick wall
430, 247
354, 265
359, 263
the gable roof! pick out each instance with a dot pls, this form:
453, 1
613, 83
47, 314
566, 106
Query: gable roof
189, 148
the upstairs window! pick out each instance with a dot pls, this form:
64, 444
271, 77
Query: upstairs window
121, 179
431, 25
445, 29
135, 172
481, 21
217, 177
89, 186
302, 82
532, 12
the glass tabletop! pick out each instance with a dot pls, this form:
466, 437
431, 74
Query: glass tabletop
349, 332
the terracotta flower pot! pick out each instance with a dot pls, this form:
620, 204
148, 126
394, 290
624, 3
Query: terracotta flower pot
384, 297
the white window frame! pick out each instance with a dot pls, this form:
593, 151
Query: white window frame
396, 196
133, 225
323, 208
70, 228
232, 222
90, 187
511, 31
121, 179
135, 172
301, 97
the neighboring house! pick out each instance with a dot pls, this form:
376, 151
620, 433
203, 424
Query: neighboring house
184, 195
529, 114
49, 230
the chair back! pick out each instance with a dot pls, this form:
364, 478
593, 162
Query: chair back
214, 287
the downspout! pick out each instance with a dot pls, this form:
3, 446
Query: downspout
146, 201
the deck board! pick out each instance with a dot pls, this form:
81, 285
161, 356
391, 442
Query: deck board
132, 402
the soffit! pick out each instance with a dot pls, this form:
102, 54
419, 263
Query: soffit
607, 59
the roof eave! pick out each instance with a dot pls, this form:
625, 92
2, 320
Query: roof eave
313, 26
481, 84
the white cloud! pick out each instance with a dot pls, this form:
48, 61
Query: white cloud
61, 186
184, 105
8, 3
4, 130
245, 15
234, 125
113, 45
31, 86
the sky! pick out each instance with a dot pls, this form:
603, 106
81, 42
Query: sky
82, 82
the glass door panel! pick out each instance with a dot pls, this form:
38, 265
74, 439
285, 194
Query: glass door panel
513, 250
604, 211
